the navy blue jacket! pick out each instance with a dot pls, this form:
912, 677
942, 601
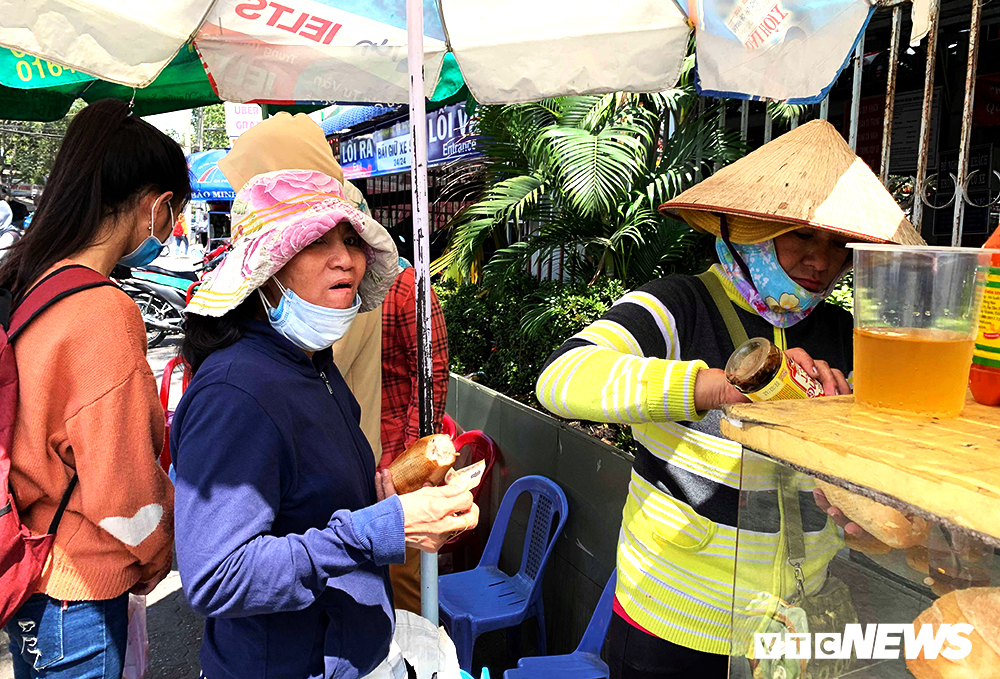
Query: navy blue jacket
280, 541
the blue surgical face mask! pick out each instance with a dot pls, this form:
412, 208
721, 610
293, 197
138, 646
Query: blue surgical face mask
150, 248
310, 327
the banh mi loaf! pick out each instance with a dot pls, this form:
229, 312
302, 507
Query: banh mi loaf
884, 523
866, 544
426, 461
979, 607
917, 559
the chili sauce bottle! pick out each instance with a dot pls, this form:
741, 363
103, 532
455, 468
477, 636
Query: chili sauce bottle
984, 378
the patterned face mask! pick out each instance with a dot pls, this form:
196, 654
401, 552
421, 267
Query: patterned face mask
772, 293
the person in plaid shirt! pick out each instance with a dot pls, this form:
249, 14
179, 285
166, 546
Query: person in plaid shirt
400, 409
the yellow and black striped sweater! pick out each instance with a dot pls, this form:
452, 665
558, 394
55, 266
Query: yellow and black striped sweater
678, 542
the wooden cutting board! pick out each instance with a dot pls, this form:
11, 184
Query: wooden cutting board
947, 468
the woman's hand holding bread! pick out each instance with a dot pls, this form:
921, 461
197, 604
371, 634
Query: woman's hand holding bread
431, 516
865, 520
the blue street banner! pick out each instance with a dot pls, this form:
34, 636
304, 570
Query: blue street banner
450, 136
207, 180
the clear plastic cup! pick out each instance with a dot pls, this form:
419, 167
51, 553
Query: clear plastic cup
916, 313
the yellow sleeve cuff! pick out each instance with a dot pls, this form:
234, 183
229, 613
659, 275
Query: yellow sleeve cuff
670, 390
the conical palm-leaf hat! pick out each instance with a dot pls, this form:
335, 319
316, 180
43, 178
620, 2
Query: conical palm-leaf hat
807, 177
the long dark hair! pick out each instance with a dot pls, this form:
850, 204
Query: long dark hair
204, 335
107, 161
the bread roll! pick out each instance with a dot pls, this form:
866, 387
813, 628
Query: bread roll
940, 587
884, 523
981, 606
917, 559
978, 606
866, 544
426, 461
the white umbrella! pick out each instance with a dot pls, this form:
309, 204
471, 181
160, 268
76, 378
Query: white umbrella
356, 50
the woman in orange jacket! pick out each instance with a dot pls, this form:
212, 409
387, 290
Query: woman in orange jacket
87, 402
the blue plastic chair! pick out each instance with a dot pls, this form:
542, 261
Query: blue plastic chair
583, 663
465, 675
485, 599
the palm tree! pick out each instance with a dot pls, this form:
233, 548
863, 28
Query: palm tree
584, 176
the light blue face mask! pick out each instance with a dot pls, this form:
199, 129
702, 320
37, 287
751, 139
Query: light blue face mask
150, 248
310, 327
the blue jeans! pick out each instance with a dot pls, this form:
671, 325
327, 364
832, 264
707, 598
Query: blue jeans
50, 639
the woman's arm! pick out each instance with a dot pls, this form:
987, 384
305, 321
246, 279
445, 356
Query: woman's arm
624, 367
229, 488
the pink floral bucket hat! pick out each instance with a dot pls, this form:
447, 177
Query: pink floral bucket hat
275, 216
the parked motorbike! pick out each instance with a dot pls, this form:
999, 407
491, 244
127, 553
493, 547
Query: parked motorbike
162, 294
8, 237
21, 219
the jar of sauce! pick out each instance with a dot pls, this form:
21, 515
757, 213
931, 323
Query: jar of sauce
762, 371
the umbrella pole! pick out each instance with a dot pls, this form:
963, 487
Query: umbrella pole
421, 264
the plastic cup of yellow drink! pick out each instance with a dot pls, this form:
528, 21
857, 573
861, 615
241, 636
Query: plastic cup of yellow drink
916, 313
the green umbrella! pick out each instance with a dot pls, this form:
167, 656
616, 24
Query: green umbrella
34, 89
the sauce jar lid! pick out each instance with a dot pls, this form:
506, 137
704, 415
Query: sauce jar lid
746, 363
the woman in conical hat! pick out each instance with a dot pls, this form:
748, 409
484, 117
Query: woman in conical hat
285, 530
783, 217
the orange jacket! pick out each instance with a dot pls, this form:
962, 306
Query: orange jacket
87, 402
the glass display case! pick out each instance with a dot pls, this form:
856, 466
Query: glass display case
814, 601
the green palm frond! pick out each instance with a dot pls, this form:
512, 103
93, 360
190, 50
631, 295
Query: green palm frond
507, 263
575, 235
669, 248
538, 318
784, 113
582, 178
589, 113
594, 171
445, 262
498, 140
638, 224
507, 136
508, 201
678, 168
668, 182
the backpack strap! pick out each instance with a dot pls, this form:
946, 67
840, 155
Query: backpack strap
57, 517
58, 285
737, 333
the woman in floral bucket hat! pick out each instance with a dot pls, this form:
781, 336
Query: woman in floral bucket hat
285, 531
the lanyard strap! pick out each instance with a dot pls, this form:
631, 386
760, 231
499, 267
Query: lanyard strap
791, 525
788, 492
737, 333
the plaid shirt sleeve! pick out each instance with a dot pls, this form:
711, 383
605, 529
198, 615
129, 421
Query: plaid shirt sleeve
400, 401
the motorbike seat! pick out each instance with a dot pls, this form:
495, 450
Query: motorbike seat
186, 275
